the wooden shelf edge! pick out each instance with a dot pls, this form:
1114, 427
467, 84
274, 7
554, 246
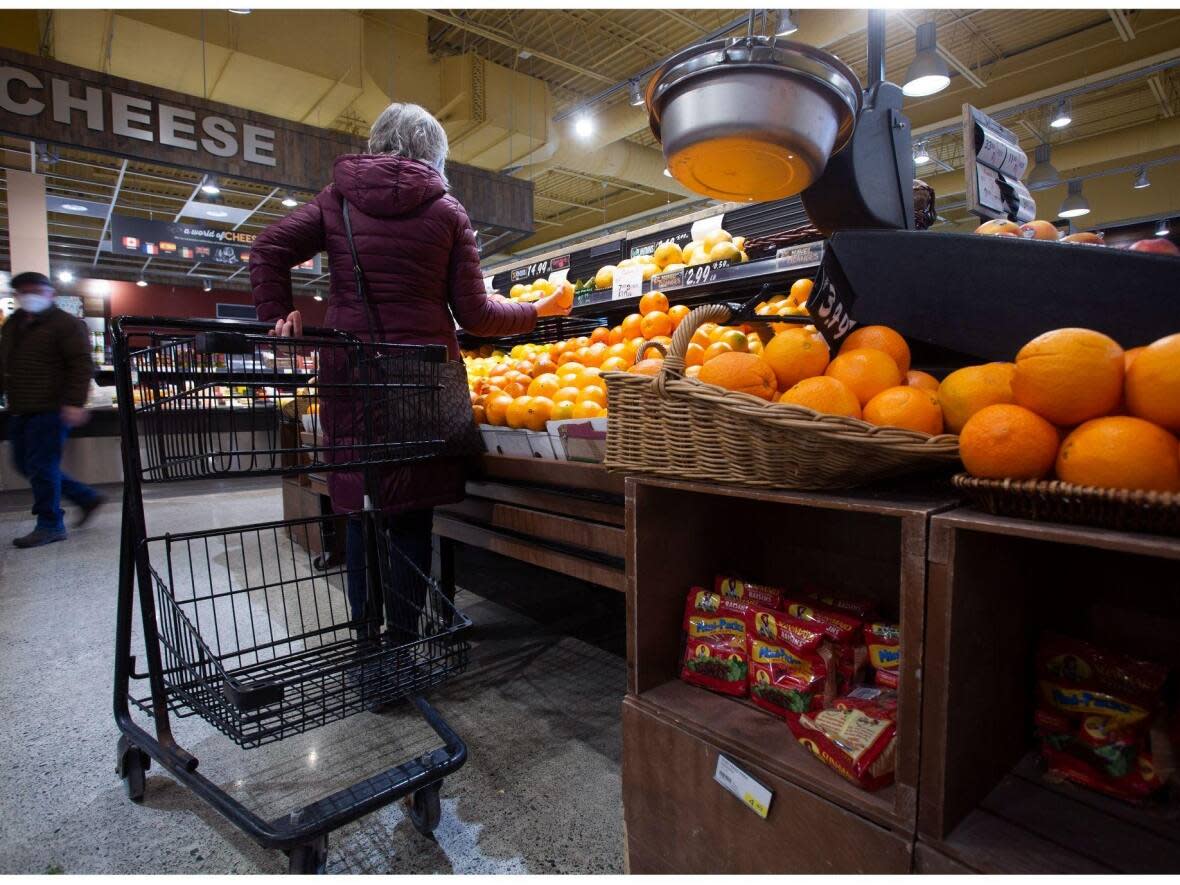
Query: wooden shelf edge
562, 474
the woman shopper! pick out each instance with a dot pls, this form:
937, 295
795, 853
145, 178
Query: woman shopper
420, 266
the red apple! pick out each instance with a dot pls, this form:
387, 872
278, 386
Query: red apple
998, 226
1158, 245
1038, 230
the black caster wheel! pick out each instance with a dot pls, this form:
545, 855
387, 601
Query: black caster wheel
310, 858
132, 766
425, 809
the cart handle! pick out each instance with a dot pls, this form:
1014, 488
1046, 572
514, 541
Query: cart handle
201, 325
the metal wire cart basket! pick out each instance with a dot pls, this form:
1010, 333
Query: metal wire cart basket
241, 625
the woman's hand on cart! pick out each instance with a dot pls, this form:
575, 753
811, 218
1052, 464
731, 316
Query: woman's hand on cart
290, 327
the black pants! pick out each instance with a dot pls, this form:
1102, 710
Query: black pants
405, 591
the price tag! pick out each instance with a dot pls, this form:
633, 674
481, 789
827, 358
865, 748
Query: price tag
558, 276
704, 227
831, 300
700, 274
795, 257
754, 795
661, 282
628, 283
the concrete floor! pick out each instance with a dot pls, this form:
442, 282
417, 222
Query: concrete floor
539, 708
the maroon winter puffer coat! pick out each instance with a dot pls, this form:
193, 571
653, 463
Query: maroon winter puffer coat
421, 266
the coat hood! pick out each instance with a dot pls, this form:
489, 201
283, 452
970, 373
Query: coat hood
384, 185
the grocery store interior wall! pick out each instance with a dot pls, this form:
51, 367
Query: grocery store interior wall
189, 302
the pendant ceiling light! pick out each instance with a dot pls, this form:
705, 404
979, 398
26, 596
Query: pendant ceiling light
927, 73
1162, 230
636, 98
1044, 174
1075, 204
1062, 116
1141, 180
786, 24
921, 155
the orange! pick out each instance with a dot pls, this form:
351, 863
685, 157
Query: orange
1129, 357
569, 356
647, 367
562, 409
880, 338
923, 380
588, 375
692, 372
800, 291
1068, 376
1005, 441
632, 326
480, 416
1121, 453
614, 364
539, 411
602, 333
593, 394
616, 336
1153, 383
736, 339
568, 391
704, 334
571, 367
714, 350
653, 301
619, 349
965, 391
906, 407
516, 388
741, 371
545, 364
824, 394
517, 412
654, 323
667, 253
597, 353
545, 385
525, 367
694, 355
866, 372
798, 353
677, 312
587, 409
565, 294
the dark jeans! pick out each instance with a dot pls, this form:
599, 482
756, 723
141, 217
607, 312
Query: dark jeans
405, 591
37, 443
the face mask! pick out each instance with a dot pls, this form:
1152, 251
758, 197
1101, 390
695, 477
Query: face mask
34, 303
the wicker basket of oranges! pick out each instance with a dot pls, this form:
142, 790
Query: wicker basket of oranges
729, 423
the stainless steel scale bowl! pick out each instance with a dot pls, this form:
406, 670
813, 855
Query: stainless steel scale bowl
754, 118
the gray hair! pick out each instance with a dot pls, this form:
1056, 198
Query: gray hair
409, 130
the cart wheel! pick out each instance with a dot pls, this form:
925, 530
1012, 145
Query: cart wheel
425, 809
132, 766
310, 858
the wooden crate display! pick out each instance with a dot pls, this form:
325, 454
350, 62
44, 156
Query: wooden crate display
995, 585
871, 545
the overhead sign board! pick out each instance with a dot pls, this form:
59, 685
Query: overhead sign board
186, 241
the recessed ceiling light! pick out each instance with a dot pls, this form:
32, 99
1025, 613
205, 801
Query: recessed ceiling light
65, 276
209, 186
141, 282
318, 297
216, 213
74, 207
584, 125
289, 201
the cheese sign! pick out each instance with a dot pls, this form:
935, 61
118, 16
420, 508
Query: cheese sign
752, 794
831, 301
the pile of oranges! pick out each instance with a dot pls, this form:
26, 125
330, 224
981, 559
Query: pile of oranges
792, 304
1074, 405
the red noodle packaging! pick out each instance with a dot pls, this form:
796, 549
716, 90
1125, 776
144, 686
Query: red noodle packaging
856, 735
1094, 717
715, 653
791, 663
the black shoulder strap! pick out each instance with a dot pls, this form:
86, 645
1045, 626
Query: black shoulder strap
359, 275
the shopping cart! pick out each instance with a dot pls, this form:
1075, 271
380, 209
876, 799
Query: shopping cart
241, 625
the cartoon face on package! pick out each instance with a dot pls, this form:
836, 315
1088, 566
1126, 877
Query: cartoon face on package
790, 663
746, 591
1080, 679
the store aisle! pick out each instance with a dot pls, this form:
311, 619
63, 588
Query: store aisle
539, 709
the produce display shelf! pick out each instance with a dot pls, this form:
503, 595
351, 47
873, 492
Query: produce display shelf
735, 281
1029, 826
996, 585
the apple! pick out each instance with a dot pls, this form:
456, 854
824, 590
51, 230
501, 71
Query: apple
998, 226
1158, 245
1038, 230
1086, 237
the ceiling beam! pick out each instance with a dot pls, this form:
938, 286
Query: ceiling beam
261, 203
1122, 24
506, 40
110, 211
1161, 95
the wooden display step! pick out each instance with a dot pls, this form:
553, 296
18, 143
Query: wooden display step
679, 820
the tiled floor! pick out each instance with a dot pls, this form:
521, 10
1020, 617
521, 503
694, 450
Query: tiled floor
539, 708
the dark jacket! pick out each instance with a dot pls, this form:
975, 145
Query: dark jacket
45, 361
421, 265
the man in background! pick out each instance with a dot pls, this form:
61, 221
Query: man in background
45, 372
